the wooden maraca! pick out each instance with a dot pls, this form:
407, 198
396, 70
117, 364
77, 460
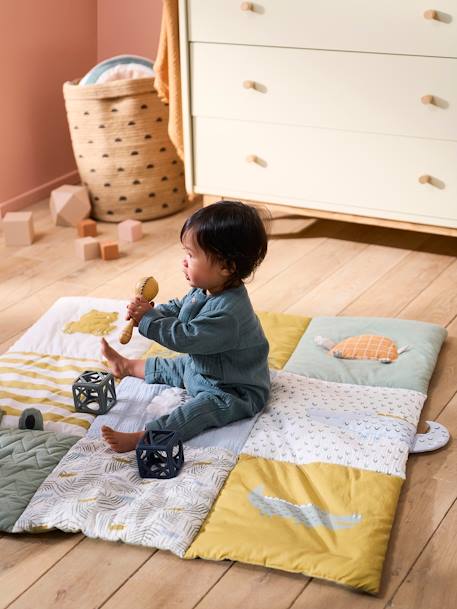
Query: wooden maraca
147, 287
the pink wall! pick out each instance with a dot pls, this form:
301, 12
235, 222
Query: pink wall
45, 43
131, 27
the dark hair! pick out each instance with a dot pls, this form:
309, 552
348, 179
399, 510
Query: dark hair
231, 232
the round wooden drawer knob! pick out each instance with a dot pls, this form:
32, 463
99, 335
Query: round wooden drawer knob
427, 99
247, 6
249, 84
251, 158
431, 14
425, 179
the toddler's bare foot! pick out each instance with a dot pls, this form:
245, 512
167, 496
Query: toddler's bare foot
118, 364
120, 441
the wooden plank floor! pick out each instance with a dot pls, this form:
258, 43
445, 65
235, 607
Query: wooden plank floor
312, 268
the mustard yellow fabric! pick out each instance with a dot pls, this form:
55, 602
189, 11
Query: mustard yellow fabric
156, 350
95, 322
168, 72
282, 331
237, 529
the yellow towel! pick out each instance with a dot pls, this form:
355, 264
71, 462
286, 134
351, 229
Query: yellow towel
168, 73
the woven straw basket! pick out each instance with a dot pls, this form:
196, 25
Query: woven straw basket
122, 150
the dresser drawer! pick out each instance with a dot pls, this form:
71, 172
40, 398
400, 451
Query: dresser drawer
358, 173
383, 26
340, 90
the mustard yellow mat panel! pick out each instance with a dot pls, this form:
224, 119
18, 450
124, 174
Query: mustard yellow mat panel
283, 332
323, 520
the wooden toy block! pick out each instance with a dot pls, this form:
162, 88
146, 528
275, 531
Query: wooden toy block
110, 250
18, 228
87, 228
87, 248
69, 205
130, 230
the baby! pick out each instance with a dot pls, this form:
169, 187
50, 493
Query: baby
225, 366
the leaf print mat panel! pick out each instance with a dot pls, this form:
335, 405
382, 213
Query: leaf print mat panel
100, 493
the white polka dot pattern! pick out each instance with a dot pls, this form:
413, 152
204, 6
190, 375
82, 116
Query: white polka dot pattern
436, 437
309, 420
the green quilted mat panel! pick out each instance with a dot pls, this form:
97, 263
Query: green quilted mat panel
26, 458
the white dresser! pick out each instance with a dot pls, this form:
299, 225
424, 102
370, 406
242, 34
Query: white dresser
339, 109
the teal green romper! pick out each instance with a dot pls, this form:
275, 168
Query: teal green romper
226, 366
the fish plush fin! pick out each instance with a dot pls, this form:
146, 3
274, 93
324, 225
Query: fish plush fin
324, 342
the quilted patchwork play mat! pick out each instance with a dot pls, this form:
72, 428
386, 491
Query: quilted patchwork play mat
309, 486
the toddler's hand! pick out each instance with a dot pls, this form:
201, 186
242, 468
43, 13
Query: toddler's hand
137, 307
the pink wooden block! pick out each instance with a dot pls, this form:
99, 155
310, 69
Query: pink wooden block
87, 248
130, 230
18, 228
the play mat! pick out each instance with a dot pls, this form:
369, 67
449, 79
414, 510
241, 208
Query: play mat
309, 486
